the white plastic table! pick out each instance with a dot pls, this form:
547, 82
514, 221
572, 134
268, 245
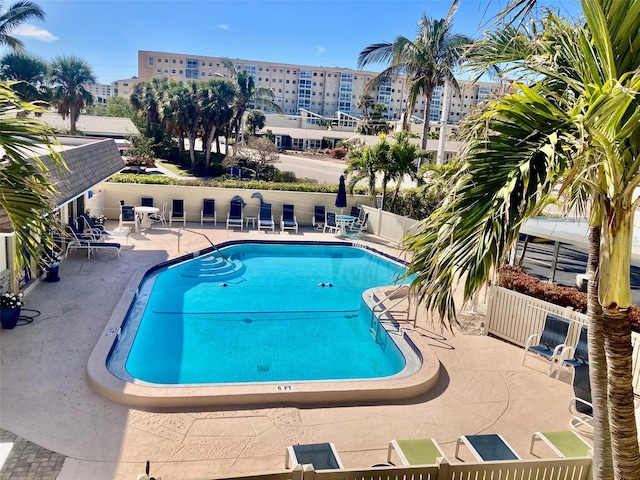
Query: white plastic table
145, 221
342, 222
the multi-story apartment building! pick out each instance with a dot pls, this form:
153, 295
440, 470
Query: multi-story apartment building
324, 91
100, 92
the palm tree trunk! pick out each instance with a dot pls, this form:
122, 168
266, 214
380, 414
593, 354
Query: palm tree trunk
73, 117
624, 435
192, 151
181, 144
427, 114
615, 298
602, 461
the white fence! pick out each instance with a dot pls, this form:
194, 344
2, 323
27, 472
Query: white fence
539, 469
513, 316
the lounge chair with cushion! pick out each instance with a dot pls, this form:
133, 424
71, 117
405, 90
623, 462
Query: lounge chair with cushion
265, 220
564, 444
177, 212
288, 219
487, 447
323, 456
235, 217
578, 355
85, 224
551, 342
88, 242
360, 225
318, 217
128, 217
330, 223
208, 212
415, 451
580, 406
146, 201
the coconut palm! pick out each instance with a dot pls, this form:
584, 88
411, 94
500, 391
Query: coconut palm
29, 73
25, 185
367, 163
580, 122
248, 95
428, 61
12, 17
69, 76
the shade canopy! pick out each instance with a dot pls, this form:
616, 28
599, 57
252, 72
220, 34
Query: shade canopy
341, 197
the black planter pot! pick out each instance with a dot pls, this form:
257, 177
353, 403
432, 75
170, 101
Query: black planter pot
9, 317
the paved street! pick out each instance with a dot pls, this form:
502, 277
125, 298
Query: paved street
571, 261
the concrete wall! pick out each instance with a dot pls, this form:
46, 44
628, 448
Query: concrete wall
108, 200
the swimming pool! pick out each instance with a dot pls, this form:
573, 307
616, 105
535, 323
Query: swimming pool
263, 316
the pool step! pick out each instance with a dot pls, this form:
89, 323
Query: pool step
216, 268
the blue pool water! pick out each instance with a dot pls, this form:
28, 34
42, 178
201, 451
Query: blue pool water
261, 314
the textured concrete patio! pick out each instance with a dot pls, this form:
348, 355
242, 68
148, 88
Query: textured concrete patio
45, 397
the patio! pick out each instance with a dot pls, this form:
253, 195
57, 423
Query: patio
45, 397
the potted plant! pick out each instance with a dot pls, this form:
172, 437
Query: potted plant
10, 304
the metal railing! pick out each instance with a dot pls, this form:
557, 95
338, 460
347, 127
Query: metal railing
215, 247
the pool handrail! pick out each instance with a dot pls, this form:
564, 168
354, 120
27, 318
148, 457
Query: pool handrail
205, 236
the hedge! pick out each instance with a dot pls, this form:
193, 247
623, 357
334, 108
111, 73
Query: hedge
515, 279
245, 184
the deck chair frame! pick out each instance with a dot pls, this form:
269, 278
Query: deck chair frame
550, 342
565, 444
177, 212
208, 212
288, 218
427, 445
235, 216
265, 218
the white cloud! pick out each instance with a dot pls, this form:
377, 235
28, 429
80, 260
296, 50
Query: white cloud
320, 50
27, 30
222, 26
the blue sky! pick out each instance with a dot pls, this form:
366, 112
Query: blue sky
108, 34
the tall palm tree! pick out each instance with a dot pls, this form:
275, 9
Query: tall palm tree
25, 185
248, 95
69, 76
428, 61
181, 114
30, 73
147, 98
217, 97
578, 122
13, 16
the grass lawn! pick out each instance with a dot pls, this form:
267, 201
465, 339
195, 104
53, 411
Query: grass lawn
177, 169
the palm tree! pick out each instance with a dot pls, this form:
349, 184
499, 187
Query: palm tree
69, 76
403, 159
217, 97
428, 61
367, 163
577, 122
25, 186
147, 98
181, 114
13, 16
248, 95
29, 73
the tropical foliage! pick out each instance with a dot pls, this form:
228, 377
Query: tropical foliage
13, 16
428, 61
574, 119
69, 76
30, 75
25, 187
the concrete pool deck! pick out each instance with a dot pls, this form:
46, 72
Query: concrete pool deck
45, 397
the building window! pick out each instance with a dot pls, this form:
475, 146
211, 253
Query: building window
173, 60
173, 70
192, 70
150, 60
180, 62
166, 60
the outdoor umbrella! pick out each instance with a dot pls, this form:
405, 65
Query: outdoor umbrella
341, 197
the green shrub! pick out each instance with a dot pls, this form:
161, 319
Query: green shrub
515, 279
230, 183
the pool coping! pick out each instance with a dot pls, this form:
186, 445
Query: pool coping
103, 382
